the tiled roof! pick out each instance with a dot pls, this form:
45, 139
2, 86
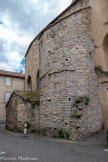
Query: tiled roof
13, 74
33, 97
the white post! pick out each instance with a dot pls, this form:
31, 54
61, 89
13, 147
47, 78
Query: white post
25, 128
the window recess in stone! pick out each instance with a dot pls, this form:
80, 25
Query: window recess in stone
8, 82
7, 96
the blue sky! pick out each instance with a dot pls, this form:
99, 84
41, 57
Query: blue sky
20, 22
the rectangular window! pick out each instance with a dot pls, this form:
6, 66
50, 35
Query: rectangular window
8, 81
7, 96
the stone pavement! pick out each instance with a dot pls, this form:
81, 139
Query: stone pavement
44, 149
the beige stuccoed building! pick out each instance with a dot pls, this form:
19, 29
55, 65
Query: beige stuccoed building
99, 21
9, 81
68, 63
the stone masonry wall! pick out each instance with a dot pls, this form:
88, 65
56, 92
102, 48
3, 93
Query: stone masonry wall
19, 111
66, 64
32, 58
65, 56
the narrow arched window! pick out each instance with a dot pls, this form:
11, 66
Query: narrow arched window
37, 80
105, 46
29, 83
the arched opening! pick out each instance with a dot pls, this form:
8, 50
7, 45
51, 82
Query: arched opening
37, 80
29, 83
105, 46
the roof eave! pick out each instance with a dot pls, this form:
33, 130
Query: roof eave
23, 77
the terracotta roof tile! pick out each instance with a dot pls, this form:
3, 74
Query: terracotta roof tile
13, 74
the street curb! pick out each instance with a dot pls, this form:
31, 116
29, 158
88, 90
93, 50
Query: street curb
9, 132
59, 140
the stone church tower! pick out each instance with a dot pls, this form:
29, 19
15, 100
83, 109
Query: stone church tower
68, 62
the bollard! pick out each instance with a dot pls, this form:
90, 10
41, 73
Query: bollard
25, 128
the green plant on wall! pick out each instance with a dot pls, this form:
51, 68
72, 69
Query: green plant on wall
85, 100
67, 135
28, 125
36, 103
63, 134
33, 105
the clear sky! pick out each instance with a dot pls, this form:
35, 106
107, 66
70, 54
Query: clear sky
20, 22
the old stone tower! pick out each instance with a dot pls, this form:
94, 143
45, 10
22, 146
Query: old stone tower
68, 63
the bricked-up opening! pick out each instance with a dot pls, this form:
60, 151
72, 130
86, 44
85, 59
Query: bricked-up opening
105, 46
29, 83
37, 80
104, 10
